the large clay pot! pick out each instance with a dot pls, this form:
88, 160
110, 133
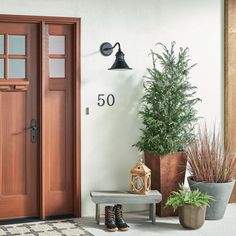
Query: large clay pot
167, 173
219, 191
192, 217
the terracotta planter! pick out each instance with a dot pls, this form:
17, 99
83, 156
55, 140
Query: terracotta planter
192, 217
167, 172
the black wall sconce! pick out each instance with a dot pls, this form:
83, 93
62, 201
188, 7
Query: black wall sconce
106, 49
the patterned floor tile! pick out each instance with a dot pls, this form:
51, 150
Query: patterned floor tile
50, 234
40, 227
72, 232
45, 228
18, 230
2, 232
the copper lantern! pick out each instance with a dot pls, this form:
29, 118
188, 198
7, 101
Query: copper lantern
140, 181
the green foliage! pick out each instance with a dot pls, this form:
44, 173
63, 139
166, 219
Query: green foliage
168, 112
185, 196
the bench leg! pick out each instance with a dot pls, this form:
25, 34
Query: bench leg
152, 212
98, 213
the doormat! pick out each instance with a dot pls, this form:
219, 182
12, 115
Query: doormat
44, 228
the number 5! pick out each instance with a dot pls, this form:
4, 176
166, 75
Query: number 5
101, 101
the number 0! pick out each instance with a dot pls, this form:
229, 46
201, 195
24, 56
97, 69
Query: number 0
110, 100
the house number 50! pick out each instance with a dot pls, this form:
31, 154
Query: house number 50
103, 99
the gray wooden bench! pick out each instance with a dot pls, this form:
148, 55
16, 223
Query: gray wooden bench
124, 197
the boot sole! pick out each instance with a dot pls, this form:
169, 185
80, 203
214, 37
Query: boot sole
123, 229
112, 230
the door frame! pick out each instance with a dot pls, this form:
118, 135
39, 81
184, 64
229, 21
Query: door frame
229, 78
41, 21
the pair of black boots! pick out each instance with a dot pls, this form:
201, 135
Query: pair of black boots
114, 218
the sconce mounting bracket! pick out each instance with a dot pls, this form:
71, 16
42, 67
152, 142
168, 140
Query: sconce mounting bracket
106, 49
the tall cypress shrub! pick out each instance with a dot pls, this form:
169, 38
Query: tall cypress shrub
168, 105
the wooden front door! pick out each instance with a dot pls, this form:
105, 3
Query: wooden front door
58, 119
39, 116
19, 182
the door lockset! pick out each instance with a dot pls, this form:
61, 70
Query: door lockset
33, 131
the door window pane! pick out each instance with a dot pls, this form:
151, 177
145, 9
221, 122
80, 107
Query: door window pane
16, 68
56, 44
16, 44
1, 44
57, 68
1, 68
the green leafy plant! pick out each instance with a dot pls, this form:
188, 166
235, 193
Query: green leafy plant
185, 196
168, 112
208, 160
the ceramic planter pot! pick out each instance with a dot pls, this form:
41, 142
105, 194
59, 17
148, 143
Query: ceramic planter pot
167, 173
192, 217
219, 191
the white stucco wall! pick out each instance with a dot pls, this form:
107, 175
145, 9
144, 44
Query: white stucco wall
109, 132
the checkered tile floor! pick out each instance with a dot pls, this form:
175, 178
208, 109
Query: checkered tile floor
52, 228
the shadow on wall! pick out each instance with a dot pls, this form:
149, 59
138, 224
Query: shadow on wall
90, 54
118, 133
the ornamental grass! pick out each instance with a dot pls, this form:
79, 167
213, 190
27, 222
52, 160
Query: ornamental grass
208, 160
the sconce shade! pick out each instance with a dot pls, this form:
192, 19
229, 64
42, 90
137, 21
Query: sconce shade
120, 62
106, 49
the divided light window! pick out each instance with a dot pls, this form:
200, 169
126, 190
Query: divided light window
57, 56
13, 56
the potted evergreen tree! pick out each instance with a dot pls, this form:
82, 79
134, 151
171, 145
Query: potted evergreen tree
192, 206
169, 118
